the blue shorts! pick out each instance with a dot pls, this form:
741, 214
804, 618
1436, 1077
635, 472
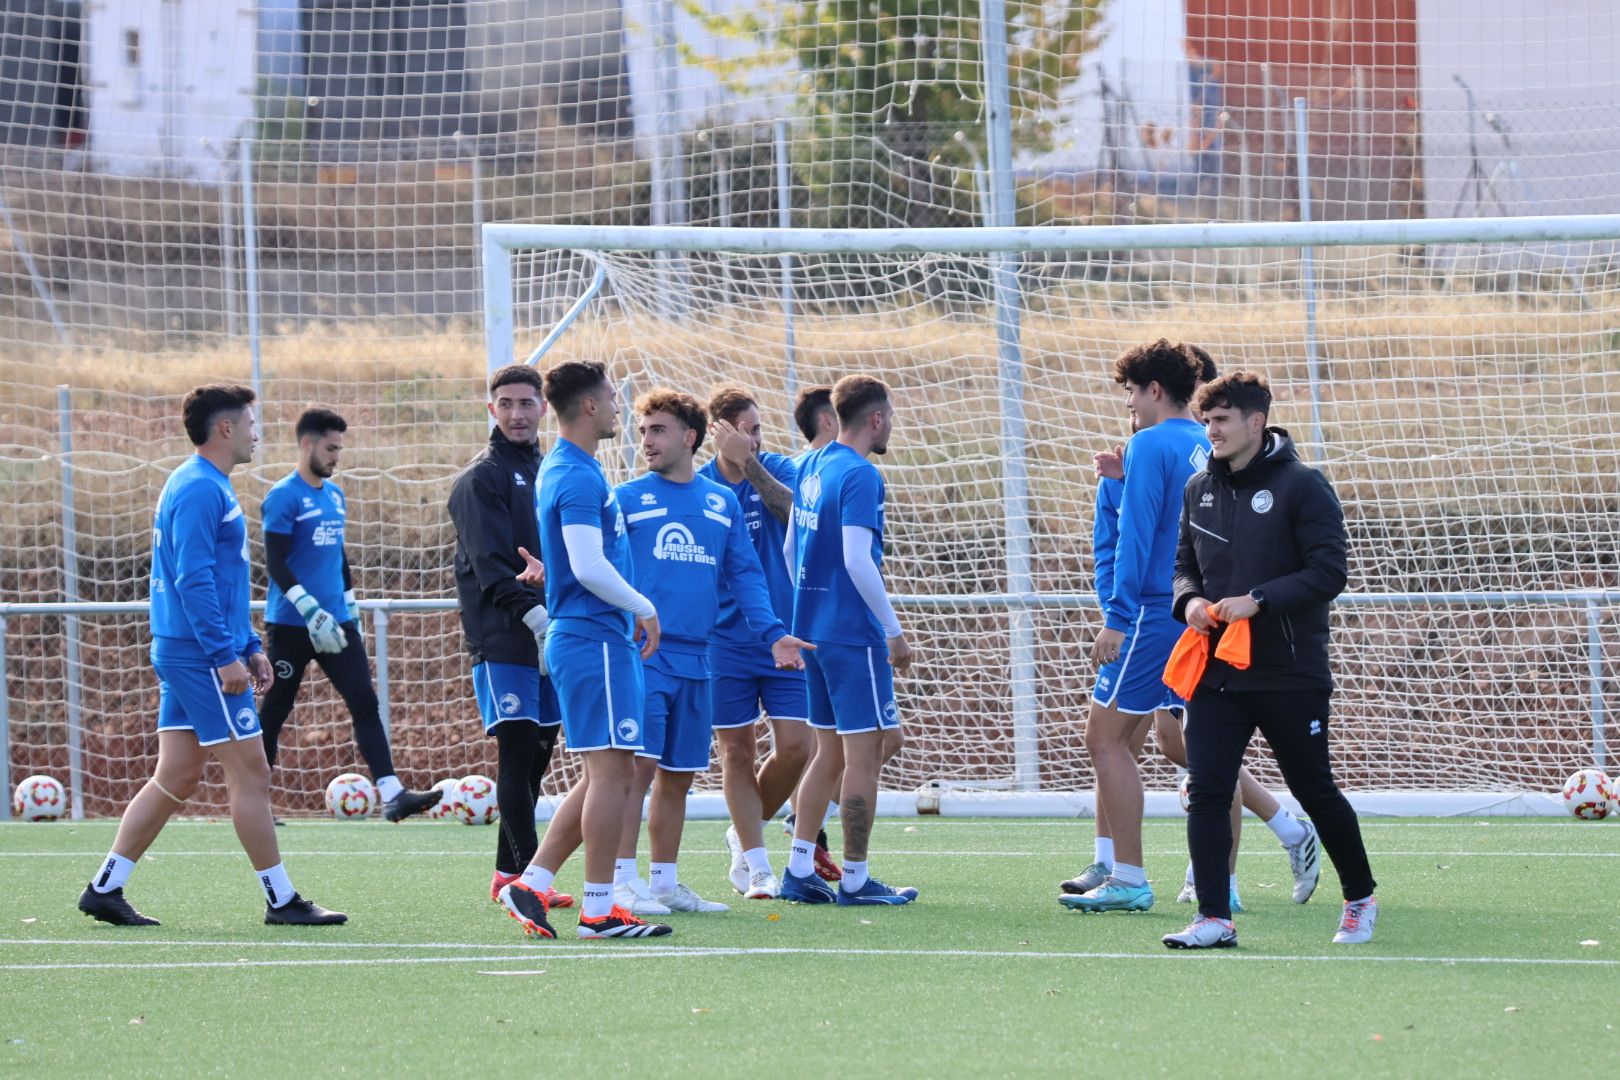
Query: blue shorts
851, 688
677, 733
190, 699
746, 682
600, 691
514, 692
1134, 684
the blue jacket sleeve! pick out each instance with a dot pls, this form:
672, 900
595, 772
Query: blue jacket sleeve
1140, 509
746, 579
195, 526
1105, 537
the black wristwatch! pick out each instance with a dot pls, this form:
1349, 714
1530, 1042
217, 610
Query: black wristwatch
1259, 599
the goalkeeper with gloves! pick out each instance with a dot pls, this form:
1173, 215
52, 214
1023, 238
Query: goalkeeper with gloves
312, 614
492, 505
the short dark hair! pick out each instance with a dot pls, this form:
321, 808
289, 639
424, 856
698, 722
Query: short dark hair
729, 402
1207, 372
1173, 367
318, 421
1246, 391
571, 380
513, 374
808, 407
206, 404
683, 407
855, 396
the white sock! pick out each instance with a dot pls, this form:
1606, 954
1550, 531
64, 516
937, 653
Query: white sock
1286, 827
759, 860
624, 871
802, 863
854, 875
1190, 879
114, 872
1126, 874
595, 900
277, 886
388, 787
662, 878
1103, 851
538, 878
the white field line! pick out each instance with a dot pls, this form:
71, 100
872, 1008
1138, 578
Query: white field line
898, 853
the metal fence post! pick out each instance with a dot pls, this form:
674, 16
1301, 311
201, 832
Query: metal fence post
379, 651
70, 593
1307, 259
1594, 672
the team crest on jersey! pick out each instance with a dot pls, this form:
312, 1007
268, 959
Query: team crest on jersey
1261, 502
629, 729
247, 721
716, 501
675, 543
509, 703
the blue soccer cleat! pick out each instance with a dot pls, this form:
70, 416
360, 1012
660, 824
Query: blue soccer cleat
875, 892
1111, 896
804, 890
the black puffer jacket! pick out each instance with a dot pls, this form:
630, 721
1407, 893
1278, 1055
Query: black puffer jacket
492, 507
1275, 526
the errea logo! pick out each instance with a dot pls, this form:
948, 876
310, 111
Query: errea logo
648, 499
1206, 500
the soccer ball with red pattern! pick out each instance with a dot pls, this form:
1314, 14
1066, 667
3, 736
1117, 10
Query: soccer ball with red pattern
1589, 795
472, 801
39, 798
350, 795
443, 810
1185, 793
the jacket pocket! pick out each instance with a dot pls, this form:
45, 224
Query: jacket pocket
1288, 636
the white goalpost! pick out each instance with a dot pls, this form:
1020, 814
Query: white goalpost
1471, 433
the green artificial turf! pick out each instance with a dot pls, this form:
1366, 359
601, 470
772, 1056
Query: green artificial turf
1481, 963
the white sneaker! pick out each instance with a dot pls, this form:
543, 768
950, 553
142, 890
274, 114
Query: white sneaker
1356, 924
1305, 860
739, 865
1203, 933
636, 898
1188, 894
682, 898
763, 886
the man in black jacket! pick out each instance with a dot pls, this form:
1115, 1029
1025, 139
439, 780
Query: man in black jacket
1262, 538
504, 620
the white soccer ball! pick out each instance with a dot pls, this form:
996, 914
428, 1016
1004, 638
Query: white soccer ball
1186, 804
1589, 795
442, 810
39, 798
350, 795
473, 801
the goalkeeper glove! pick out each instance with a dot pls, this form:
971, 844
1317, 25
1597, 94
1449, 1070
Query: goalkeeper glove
537, 619
324, 632
353, 606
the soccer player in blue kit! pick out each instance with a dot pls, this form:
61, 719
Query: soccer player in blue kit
596, 617
208, 661
834, 546
691, 553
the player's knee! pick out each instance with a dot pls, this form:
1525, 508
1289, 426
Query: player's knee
737, 752
180, 781
893, 741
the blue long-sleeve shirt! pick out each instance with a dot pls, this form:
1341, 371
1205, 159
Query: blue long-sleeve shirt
1158, 463
200, 582
1105, 535
685, 541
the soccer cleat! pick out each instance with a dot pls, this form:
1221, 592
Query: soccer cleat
636, 898
409, 803
619, 923
739, 865
528, 908
805, 890
1356, 924
1111, 896
1305, 860
555, 899
826, 868
763, 886
301, 912
875, 892
1089, 878
499, 882
682, 898
1189, 895
111, 907
1204, 933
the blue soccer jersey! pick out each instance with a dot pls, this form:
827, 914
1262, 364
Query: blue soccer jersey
1158, 463
314, 517
1105, 535
837, 488
199, 586
767, 535
572, 490
689, 542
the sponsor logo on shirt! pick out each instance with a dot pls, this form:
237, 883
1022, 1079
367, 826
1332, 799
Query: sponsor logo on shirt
325, 535
517, 478
1199, 459
675, 543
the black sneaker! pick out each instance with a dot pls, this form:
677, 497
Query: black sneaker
301, 912
111, 907
528, 908
409, 803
